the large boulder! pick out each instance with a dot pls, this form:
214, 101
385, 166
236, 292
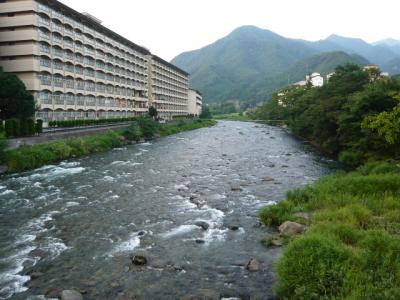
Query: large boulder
253, 265
71, 295
291, 228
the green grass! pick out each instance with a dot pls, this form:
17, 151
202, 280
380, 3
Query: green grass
351, 249
32, 157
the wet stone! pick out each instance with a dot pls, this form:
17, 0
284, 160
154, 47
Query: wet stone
199, 241
139, 260
202, 224
233, 227
253, 265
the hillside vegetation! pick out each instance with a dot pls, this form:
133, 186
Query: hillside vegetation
353, 117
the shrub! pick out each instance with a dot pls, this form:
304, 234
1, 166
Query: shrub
12, 128
148, 126
133, 133
312, 267
351, 159
276, 214
1, 126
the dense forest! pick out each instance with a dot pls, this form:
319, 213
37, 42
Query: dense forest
354, 117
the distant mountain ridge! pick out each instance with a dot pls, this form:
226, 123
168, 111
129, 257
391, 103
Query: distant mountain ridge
250, 63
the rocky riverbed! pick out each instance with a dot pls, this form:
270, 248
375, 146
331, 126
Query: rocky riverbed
170, 219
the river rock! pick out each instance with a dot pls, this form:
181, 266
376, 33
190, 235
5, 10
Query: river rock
236, 189
199, 241
71, 295
139, 260
37, 253
233, 227
141, 233
253, 265
202, 224
291, 228
35, 275
267, 178
271, 166
203, 294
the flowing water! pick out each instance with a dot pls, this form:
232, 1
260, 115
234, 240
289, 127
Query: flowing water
76, 225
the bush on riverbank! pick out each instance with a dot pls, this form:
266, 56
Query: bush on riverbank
351, 248
31, 157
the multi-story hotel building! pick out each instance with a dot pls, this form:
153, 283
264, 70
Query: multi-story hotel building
76, 68
168, 88
195, 102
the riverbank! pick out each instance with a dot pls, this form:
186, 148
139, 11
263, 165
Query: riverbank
35, 156
350, 247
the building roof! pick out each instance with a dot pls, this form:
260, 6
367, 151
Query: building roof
89, 21
159, 59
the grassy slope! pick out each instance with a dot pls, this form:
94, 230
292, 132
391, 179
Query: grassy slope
31, 157
351, 249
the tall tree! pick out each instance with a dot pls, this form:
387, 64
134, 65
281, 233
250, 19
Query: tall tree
15, 100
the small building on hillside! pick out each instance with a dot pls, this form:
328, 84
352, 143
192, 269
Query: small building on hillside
195, 102
316, 79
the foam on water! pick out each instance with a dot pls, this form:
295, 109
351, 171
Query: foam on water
182, 229
126, 246
71, 203
7, 192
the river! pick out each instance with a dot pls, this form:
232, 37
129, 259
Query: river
75, 225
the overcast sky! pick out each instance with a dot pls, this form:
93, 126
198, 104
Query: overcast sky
169, 27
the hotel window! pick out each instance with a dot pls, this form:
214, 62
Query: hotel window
110, 77
90, 101
58, 81
69, 68
69, 55
57, 26
58, 65
58, 52
89, 72
44, 34
89, 86
69, 99
45, 79
80, 100
45, 62
44, 48
58, 99
79, 58
80, 84
45, 98
89, 50
69, 83
44, 21
57, 38
78, 70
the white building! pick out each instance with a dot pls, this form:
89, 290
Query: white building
195, 102
316, 79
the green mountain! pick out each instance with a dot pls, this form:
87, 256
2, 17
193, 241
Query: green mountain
251, 63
